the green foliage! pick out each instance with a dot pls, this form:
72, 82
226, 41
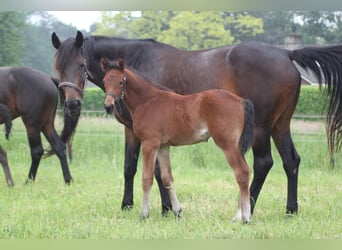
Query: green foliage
312, 101
183, 29
11, 41
93, 99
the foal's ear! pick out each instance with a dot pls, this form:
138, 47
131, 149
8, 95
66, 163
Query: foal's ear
104, 62
121, 63
55, 40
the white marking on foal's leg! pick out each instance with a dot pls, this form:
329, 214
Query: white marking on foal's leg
145, 205
238, 216
176, 209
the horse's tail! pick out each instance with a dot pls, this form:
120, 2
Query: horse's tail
326, 64
4, 111
247, 136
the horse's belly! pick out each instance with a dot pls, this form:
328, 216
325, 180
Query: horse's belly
196, 136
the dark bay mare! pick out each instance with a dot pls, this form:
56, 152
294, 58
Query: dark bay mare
32, 95
262, 73
163, 118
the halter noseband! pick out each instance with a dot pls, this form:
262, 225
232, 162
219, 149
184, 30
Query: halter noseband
72, 86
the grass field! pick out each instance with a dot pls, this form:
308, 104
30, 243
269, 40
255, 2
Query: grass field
205, 185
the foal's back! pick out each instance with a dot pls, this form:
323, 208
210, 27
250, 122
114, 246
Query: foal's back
188, 119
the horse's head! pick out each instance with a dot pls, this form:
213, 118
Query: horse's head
114, 83
71, 66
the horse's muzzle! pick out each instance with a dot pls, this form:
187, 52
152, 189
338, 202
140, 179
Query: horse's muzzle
73, 107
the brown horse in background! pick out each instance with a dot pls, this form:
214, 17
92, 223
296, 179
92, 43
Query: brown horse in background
163, 118
33, 95
260, 72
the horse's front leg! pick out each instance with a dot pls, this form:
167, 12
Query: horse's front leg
132, 149
165, 199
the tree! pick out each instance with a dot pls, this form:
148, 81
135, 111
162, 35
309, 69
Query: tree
183, 29
11, 43
196, 30
38, 51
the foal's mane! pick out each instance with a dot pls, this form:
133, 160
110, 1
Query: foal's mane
113, 65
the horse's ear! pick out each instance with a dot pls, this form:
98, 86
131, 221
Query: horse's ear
55, 40
104, 63
79, 39
121, 63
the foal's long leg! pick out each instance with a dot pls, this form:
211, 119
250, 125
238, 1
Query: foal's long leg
241, 171
4, 163
167, 178
36, 150
132, 149
262, 162
149, 151
291, 161
59, 148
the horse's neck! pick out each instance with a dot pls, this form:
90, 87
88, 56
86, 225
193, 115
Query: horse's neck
138, 91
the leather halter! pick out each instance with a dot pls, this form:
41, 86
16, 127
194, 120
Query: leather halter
75, 86
122, 95
119, 100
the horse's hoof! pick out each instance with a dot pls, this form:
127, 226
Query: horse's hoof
126, 207
291, 211
10, 183
166, 210
29, 181
68, 182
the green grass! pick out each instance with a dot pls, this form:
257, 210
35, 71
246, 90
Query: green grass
205, 185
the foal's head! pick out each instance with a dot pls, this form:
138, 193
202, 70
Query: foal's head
71, 67
114, 82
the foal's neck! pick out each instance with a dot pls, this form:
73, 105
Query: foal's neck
138, 90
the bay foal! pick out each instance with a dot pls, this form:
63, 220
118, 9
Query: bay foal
163, 118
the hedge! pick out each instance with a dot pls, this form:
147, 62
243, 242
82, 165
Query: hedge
311, 100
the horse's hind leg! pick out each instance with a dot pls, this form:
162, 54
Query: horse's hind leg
59, 148
291, 160
4, 163
167, 178
262, 162
36, 151
241, 171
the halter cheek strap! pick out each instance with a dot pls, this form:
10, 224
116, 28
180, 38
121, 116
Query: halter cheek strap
118, 100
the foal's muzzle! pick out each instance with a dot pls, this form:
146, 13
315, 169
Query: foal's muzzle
109, 108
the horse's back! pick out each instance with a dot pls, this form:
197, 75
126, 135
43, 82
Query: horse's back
28, 92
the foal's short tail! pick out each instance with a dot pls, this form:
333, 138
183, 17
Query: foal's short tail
247, 136
4, 111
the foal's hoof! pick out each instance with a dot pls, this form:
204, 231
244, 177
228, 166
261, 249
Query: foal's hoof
178, 213
143, 216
